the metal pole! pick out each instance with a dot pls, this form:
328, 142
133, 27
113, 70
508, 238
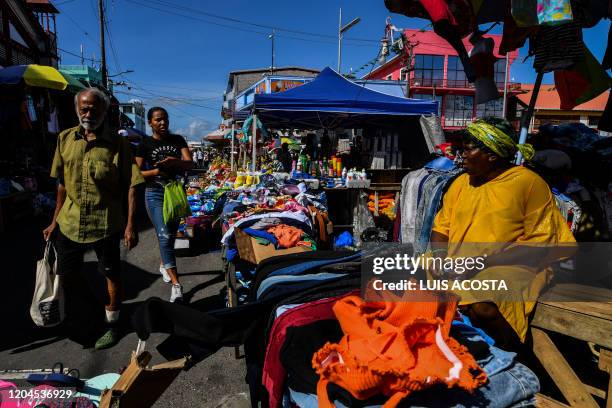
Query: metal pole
254, 141
409, 70
232, 149
526, 118
340, 41
272, 68
506, 88
102, 45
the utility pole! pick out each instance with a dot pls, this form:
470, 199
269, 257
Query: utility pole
102, 45
340, 41
342, 30
505, 107
272, 36
82, 57
409, 68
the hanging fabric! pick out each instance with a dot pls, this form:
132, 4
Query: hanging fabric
432, 131
552, 12
605, 122
483, 61
583, 83
451, 20
524, 13
606, 63
557, 47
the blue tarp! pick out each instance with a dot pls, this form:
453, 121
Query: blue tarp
333, 101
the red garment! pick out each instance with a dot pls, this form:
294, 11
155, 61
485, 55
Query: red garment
438, 10
273, 377
585, 81
570, 85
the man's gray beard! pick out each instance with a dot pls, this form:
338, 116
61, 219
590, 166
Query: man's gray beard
90, 125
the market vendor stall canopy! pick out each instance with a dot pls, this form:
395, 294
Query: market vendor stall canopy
33, 75
330, 101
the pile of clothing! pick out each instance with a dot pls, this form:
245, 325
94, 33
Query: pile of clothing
311, 341
420, 200
275, 212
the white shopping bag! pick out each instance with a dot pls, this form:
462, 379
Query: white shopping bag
47, 309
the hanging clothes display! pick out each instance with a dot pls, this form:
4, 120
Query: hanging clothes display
420, 199
551, 12
432, 131
524, 13
557, 47
451, 20
483, 60
589, 12
585, 81
514, 36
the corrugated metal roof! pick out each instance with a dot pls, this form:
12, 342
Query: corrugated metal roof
548, 99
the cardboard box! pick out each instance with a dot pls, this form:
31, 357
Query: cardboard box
251, 251
140, 386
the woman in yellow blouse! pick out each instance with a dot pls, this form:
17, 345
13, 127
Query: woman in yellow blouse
499, 205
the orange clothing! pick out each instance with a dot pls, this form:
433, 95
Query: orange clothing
287, 236
394, 348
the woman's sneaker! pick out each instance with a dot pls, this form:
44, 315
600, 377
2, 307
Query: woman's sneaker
165, 276
176, 293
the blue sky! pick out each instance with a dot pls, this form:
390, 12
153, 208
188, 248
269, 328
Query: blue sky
181, 51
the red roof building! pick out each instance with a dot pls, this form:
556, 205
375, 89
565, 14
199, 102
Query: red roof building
547, 108
438, 74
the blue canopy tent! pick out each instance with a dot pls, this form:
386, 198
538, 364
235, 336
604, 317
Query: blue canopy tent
331, 101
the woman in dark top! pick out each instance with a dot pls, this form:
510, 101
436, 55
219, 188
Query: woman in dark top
162, 158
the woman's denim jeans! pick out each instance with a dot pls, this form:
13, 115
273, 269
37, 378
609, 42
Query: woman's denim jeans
166, 233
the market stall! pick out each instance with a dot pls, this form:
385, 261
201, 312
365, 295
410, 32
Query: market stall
376, 137
35, 103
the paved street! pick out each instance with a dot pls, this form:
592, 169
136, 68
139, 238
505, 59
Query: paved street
218, 381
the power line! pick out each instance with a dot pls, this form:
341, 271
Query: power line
113, 51
176, 99
87, 35
178, 87
191, 17
183, 96
171, 107
259, 25
63, 2
77, 55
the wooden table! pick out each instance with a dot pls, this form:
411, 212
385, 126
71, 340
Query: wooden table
581, 312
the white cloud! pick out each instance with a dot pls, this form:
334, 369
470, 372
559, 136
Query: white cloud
197, 129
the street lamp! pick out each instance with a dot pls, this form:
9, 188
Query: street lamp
342, 30
129, 71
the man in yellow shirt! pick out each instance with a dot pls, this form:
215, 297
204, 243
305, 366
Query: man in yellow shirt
501, 208
96, 176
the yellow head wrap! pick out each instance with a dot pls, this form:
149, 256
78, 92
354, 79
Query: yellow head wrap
498, 141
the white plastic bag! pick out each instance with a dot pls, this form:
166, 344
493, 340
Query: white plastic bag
47, 309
